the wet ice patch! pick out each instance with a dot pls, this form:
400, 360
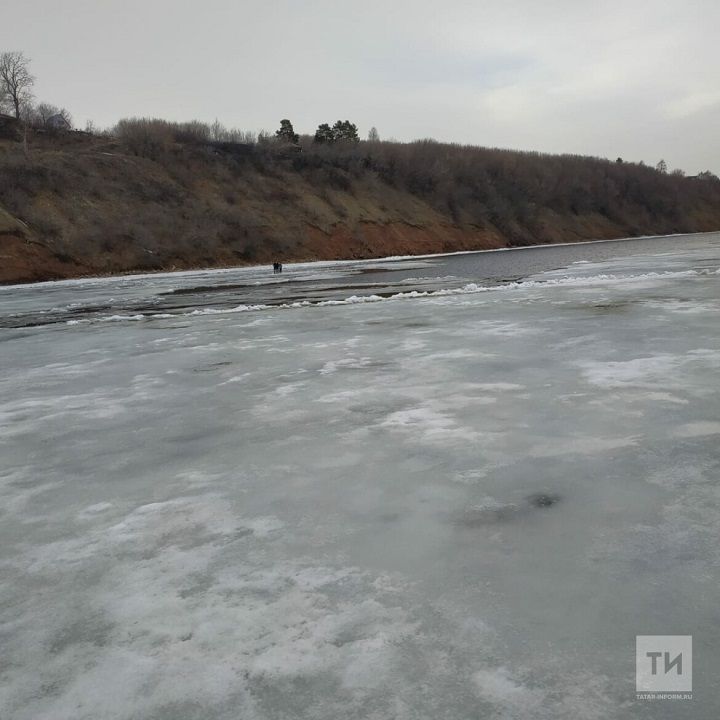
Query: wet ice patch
505, 329
490, 511
487, 511
19, 495
543, 500
263, 527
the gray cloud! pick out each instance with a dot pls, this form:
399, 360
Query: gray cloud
636, 78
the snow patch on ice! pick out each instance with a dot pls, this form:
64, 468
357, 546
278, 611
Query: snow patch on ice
682, 307
289, 388
553, 447
457, 354
665, 397
92, 511
237, 378
498, 687
428, 425
263, 527
342, 396
697, 429
643, 371
471, 477
121, 318
350, 363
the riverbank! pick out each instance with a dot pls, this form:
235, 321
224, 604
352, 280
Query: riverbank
86, 206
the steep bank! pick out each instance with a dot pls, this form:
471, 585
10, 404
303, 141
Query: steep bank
83, 205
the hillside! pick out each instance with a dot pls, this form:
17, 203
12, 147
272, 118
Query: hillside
80, 205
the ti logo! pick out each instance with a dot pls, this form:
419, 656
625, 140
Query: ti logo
663, 664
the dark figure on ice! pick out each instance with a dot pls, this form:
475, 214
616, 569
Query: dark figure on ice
277, 267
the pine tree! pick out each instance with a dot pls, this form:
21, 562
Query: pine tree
324, 134
287, 133
345, 130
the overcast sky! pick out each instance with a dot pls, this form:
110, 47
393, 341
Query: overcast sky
633, 78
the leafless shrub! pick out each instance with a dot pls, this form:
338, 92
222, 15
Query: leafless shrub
190, 132
146, 137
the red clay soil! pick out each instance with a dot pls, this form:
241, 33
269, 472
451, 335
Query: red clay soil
372, 240
24, 260
28, 260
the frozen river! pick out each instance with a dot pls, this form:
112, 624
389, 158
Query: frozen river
439, 488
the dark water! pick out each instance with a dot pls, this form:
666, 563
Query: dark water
518, 263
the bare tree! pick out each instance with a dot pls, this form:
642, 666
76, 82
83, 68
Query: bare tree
45, 116
373, 135
42, 112
16, 81
218, 132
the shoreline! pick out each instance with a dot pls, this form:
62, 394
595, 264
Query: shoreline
331, 263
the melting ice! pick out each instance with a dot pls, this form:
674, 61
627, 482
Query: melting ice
453, 500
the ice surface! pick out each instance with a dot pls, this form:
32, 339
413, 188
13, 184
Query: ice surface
448, 499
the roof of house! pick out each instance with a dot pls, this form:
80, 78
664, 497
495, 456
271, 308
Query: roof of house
57, 119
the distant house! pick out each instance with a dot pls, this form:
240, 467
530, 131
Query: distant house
704, 175
57, 123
